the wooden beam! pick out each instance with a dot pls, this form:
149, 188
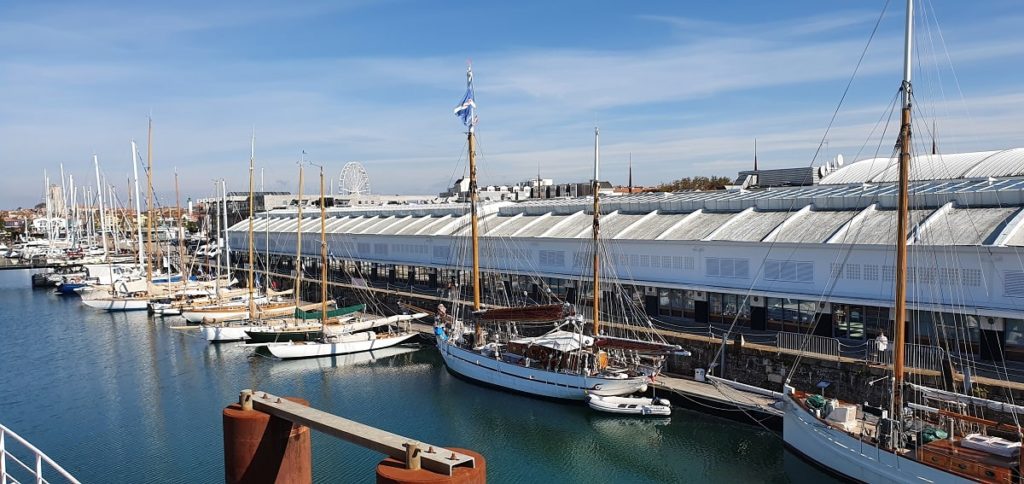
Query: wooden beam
433, 458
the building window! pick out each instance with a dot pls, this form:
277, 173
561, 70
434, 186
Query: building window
1014, 334
729, 307
848, 321
551, 258
672, 303
725, 267
870, 272
788, 271
791, 315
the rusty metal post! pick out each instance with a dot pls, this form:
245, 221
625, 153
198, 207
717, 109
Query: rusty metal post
260, 448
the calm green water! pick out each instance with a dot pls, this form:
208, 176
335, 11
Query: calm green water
121, 397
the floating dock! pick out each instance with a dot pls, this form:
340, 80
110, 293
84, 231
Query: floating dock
721, 400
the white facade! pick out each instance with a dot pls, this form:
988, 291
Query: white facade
815, 243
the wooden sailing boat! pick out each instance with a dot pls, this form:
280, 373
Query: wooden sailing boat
337, 344
563, 363
842, 437
255, 308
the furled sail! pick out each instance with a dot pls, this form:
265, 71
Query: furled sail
550, 312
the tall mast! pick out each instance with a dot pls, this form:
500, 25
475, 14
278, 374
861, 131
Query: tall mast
224, 217
103, 218
138, 204
252, 206
72, 210
181, 229
474, 221
63, 188
901, 229
49, 214
467, 111
597, 232
220, 253
149, 200
298, 245
323, 251
266, 226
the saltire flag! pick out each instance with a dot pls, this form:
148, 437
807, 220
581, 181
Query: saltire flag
466, 110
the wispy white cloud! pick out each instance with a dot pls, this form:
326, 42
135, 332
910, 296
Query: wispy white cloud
661, 102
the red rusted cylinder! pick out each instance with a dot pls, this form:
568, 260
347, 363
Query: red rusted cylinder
391, 471
260, 448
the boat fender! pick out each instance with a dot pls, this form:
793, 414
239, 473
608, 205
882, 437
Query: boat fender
643, 388
664, 401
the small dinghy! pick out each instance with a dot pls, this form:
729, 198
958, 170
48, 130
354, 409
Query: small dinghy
630, 405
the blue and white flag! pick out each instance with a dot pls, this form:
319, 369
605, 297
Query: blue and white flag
466, 110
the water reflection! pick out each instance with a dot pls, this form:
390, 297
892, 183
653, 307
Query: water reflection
120, 397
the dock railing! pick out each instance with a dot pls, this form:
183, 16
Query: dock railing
15, 470
820, 345
922, 357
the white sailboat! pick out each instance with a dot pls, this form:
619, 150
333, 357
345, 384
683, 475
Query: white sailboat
344, 338
564, 363
844, 439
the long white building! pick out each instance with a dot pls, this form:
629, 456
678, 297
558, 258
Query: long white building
774, 259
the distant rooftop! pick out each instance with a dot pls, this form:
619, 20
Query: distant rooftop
953, 166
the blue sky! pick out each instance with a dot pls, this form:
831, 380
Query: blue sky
682, 86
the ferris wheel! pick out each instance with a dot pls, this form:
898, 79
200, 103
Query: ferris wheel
354, 180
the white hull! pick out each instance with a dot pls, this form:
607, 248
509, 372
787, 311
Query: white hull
170, 311
225, 333
840, 452
235, 312
357, 345
118, 304
215, 316
629, 405
366, 325
533, 381
300, 366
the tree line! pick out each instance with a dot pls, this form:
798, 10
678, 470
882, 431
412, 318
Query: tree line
694, 183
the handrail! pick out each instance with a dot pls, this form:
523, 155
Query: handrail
924, 357
806, 343
40, 458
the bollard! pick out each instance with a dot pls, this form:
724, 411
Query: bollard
245, 399
412, 455
260, 448
393, 471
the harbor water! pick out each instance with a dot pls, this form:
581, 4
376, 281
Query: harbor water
124, 397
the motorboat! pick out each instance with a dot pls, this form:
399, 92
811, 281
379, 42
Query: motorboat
630, 405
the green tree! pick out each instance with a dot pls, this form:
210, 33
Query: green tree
694, 183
